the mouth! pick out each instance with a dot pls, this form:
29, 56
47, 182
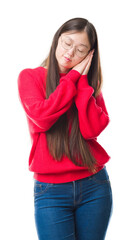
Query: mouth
67, 59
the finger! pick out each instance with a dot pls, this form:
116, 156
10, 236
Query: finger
89, 55
89, 63
93, 50
88, 58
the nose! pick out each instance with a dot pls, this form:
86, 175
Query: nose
70, 52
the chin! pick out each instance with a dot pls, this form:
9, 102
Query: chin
66, 66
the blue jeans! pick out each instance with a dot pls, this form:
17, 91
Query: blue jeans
77, 210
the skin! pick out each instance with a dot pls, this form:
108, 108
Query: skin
67, 59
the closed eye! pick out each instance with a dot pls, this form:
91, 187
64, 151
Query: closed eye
80, 50
68, 44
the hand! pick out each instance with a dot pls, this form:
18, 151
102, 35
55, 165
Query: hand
84, 65
89, 60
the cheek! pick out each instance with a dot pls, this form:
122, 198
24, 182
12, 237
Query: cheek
56, 54
76, 60
59, 52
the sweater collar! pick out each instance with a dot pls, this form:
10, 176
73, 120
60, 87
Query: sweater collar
61, 74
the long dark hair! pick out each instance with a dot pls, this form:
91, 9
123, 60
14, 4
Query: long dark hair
75, 147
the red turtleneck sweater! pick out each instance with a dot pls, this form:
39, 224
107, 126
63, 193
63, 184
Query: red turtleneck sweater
42, 113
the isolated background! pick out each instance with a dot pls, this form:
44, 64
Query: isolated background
27, 29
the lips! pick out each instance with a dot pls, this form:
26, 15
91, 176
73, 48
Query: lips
67, 59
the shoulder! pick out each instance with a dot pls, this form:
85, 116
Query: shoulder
37, 74
33, 71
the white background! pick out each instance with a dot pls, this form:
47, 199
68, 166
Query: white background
27, 28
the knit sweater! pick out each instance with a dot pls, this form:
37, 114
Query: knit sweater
42, 113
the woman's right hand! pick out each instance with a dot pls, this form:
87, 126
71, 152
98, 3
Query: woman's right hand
80, 67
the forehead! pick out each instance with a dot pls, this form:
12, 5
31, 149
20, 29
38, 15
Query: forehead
77, 37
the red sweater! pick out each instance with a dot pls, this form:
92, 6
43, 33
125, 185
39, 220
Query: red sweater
42, 113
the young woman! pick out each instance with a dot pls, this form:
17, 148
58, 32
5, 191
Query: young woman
66, 112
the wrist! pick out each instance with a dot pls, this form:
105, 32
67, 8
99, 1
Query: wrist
78, 70
72, 75
83, 82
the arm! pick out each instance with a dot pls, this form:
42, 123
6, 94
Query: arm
45, 112
92, 113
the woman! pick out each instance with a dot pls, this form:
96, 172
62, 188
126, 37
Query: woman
66, 112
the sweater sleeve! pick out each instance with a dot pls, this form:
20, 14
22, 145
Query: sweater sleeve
92, 113
45, 112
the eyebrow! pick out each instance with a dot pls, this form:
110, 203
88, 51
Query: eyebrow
79, 44
84, 45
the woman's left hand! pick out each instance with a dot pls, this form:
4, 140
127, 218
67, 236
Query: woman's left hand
89, 60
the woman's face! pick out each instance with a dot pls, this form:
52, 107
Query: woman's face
72, 48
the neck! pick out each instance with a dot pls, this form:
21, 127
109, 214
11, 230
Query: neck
63, 69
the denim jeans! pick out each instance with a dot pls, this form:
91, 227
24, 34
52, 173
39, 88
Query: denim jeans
77, 210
